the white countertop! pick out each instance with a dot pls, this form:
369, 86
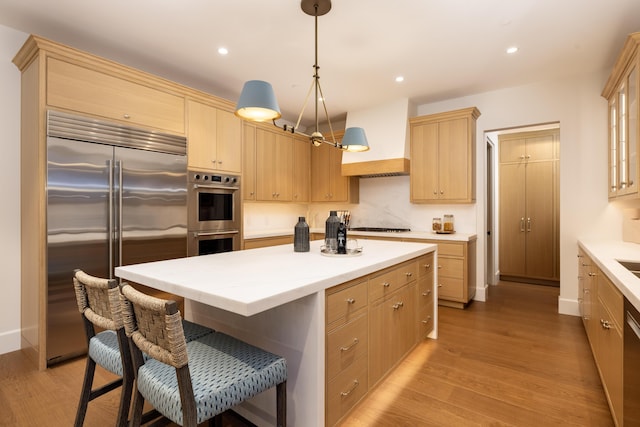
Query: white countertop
605, 254
251, 281
459, 237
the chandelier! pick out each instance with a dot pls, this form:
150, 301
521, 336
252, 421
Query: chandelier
258, 102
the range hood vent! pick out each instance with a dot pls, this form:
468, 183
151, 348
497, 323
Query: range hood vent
387, 128
377, 168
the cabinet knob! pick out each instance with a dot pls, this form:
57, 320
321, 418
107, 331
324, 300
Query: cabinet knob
351, 301
439, 285
126, 116
441, 191
426, 294
427, 266
386, 284
427, 321
605, 324
435, 191
408, 274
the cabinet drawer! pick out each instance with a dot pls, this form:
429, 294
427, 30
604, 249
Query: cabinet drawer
383, 284
425, 319
347, 344
345, 304
451, 249
451, 267
407, 273
611, 298
450, 288
83, 90
345, 390
425, 265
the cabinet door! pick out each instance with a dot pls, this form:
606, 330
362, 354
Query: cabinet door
424, 162
541, 245
321, 173
301, 169
248, 162
201, 141
512, 219
274, 166
88, 91
229, 142
454, 156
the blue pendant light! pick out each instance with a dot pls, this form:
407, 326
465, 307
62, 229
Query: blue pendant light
354, 140
258, 102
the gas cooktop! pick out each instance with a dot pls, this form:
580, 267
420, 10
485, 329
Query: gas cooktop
380, 229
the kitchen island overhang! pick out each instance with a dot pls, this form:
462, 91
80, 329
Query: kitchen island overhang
274, 298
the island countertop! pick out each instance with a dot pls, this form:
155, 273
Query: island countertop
252, 281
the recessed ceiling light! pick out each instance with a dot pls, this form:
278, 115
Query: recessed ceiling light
399, 79
223, 51
512, 49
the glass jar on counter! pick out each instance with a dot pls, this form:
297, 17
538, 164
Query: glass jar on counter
437, 224
448, 223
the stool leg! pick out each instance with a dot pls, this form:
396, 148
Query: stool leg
85, 395
281, 403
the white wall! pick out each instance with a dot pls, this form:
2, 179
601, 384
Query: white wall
10, 42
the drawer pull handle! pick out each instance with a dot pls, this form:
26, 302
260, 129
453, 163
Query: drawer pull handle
386, 284
408, 274
426, 294
427, 321
348, 392
605, 324
592, 274
439, 285
347, 348
397, 305
439, 267
351, 301
427, 266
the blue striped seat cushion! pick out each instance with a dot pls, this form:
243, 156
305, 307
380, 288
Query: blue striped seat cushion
224, 372
104, 349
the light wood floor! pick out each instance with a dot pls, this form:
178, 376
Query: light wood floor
512, 361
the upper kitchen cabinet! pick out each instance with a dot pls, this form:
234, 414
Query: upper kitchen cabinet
274, 165
89, 90
327, 182
443, 157
621, 91
214, 138
301, 168
248, 161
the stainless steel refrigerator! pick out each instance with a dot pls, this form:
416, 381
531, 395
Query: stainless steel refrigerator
116, 195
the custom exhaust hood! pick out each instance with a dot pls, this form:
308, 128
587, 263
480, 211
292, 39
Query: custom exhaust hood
387, 128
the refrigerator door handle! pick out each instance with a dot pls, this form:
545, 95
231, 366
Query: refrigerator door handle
110, 218
120, 187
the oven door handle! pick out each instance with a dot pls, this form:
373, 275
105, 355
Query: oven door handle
214, 233
215, 187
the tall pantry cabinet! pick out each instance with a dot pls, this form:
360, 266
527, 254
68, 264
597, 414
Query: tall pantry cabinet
529, 205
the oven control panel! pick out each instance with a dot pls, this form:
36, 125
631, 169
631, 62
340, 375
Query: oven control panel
197, 177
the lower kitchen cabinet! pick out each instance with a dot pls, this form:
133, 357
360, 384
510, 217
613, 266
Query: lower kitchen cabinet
602, 311
371, 324
263, 242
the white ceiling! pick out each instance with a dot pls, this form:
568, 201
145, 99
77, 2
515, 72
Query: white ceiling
443, 48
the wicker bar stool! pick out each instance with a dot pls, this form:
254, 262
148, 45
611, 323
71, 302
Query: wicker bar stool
192, 382
100, 305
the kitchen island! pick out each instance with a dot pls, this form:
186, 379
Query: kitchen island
275, 298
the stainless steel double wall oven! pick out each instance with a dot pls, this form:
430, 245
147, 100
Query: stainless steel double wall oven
214, 213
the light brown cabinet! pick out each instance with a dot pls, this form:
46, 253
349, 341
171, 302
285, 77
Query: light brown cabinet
301, 169
371, 324
443, 157
88, 90
248, 161
263, 242
529, 205
214, 138
274, 166
327, 182
603, 316
622, 94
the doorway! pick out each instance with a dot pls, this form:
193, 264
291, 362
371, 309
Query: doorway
523, 220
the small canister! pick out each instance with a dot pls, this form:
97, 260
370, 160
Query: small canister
437, 224
448, 223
